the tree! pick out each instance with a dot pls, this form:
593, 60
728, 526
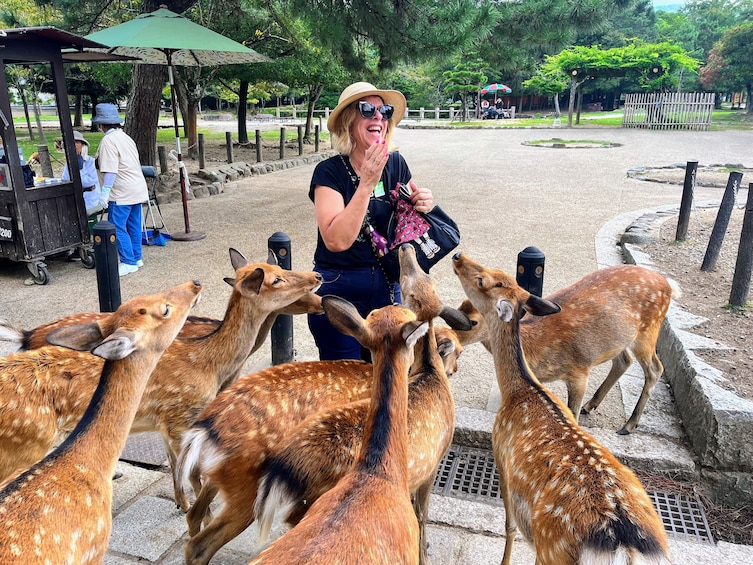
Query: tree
730, 64
466, 78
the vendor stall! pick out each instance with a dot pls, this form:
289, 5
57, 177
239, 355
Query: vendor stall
40, 217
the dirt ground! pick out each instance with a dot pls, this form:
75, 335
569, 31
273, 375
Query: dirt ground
707, 293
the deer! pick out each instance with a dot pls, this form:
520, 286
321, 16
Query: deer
367, 517
226, 446
613, 314
571, 499
59, 510
318, 452
187, 377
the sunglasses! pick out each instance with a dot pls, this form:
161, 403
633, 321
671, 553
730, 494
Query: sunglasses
368, 110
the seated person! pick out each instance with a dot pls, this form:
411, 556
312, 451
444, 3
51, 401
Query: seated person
89, 177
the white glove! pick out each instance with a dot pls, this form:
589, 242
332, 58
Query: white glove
105, 198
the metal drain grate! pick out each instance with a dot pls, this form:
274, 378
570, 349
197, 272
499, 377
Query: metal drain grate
682, 516
471, 473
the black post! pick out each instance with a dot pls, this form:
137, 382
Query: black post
282, 329
300, 140
722, 221
530, 273
282, 143
202, 160
162, 154
316, 138
106, 261
687, 201
229, 143
259, 154
738, 296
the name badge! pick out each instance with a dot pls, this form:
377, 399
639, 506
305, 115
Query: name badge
379, 189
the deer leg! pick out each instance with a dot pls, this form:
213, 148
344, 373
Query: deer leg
421, 508
620, 364
576, 390
172, 446
651, 371
200, 509
228, 524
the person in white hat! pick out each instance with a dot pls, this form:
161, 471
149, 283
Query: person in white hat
123, 186
354, 198
88, 172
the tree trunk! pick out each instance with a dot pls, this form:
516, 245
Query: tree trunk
557, 112
580, 105
142, 113
78, 118
315, 91
242, 112
94, 100
571, 103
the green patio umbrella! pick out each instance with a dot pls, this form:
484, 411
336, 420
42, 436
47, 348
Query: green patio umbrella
163, 37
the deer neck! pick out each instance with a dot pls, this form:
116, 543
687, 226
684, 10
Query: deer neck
229, 347
384, 449
103, 430
426, 357
513, 373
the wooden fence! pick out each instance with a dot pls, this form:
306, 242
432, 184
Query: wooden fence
671, 110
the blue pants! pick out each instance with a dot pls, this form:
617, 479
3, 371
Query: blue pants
367, 289
127, 221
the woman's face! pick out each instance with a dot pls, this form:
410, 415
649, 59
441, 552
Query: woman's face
79, 147
365, 132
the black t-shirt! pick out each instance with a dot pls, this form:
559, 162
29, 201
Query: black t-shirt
336, 175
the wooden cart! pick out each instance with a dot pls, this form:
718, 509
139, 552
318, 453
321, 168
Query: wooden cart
48, 217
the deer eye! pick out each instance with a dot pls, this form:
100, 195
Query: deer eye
166, 311
277, 281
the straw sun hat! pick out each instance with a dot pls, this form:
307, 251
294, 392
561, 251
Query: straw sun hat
359, 90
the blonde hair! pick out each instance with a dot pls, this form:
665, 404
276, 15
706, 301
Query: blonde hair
341, 139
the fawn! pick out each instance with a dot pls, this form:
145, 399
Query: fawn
59, 510
569, 496
187, 377
615, 313
367, 517
320, 450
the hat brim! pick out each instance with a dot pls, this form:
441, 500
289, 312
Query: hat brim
392, 97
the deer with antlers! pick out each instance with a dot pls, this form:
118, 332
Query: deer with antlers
613, 314
317, 453
59, 510
187, 377
367, 517
567, 494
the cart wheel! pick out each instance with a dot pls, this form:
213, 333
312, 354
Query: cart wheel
87, 257
39, 273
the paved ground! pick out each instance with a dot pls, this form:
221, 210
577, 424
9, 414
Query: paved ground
570, 203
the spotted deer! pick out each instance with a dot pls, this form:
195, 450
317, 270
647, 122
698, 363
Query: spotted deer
315, 455
225, 448
367, 517
613, 314
187, 377
568, 495
59, 510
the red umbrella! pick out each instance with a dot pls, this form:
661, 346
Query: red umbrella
496, 88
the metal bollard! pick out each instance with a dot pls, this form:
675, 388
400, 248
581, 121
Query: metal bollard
106, 262
530, 272
282, 329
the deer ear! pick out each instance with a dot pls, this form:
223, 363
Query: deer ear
119, 345
456, 319
229, 280
445, 347
413, 331
540, 306
237, 259
272, 258
81, 337
505, 311
254, 281
345, 317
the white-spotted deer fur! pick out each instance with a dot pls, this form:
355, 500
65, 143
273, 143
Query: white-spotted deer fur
613, 314
188, 376
567, 494
367, 517
317, 453
59, 510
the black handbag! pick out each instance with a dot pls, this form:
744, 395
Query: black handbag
442, 237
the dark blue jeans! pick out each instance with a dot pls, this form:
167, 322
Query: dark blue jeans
367, 289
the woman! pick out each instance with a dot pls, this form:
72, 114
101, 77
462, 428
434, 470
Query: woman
124, 187
89, 176
353, 205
